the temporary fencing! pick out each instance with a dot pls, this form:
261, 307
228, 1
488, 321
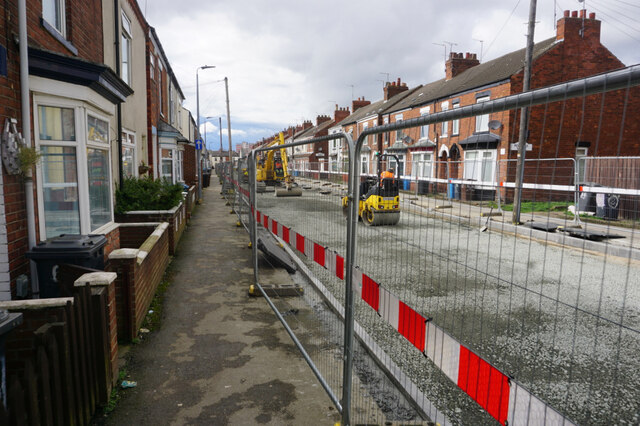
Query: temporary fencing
434, 318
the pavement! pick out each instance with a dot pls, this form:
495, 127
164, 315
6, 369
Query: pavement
219, 356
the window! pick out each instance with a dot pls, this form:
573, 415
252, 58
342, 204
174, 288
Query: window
128, 153
53, 13
160, 88
167, 164
178, 164
581, 153
482, 121
423, 165
76, 174
445, 124
386, 134
399, 131
126, 50
479, 165
152, 66
397, 167
364, 127
364, 164
455, 124
424, 130
60, 190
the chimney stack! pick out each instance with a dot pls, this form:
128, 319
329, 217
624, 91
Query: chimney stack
322, 119
340, 114
457, 63
574, 27
361, 102
392, 88
307, 124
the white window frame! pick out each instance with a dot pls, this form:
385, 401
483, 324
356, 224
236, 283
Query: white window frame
444, 106
398, 118
81, 144
366, 139
172, 152
482, 121
60, 4
455, 124
392, 164
126, 35
419, 160
178, 165
474, 171
160, 88
385, 139
152, 66
364, 164
132, 146
424, 130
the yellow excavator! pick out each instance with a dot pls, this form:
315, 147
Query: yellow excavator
273, 169
379, 202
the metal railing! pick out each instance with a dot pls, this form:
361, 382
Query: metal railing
532, 326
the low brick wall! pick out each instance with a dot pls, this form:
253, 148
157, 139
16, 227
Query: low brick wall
140, 271
190, 200
176, 218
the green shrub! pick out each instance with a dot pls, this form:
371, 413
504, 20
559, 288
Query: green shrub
147, 194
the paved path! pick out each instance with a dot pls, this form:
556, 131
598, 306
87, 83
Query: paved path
219, 356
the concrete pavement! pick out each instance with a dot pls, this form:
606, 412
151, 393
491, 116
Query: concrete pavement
219, 357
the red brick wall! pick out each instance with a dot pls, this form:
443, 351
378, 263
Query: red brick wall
83, 29
177, 222
134, 236
189, 164
113, 243
136, 285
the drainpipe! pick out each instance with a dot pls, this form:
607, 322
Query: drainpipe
116, 39
26, 131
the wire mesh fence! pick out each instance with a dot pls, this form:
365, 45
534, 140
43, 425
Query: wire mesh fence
462, 316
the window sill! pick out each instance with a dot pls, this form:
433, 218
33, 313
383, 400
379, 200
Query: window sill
66, 43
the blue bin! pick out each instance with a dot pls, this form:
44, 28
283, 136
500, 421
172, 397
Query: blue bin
406, 184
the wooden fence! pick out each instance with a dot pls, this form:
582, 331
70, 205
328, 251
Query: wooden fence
59, 363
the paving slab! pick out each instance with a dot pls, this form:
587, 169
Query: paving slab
220, 356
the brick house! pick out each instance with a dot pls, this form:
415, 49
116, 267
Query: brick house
470, 148
367, 115
75, 87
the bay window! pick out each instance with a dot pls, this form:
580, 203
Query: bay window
479, 165
423, 165
75, 194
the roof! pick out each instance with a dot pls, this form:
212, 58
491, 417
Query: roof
484, 74
165, 129
317, 129
377, 107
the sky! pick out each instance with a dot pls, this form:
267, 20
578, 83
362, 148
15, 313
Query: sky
291, 60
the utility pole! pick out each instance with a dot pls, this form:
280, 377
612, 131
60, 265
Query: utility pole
226, 88
524, 116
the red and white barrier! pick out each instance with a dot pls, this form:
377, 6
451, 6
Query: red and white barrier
500, 396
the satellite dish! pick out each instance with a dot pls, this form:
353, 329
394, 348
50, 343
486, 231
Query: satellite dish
494, 124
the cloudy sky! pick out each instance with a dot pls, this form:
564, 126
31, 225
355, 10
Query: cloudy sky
291, 60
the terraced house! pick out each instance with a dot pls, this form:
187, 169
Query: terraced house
75, 85
484, 148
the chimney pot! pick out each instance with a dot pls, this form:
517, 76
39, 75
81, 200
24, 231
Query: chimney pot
574, 13
582, 13
566, 13
592, 15
398, 81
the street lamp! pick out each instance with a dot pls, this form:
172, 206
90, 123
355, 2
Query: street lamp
198, 159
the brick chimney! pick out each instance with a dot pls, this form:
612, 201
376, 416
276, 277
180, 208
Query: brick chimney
458, 63
392, 88
340, 114
307, 124
570, 26
322, 119
361, 102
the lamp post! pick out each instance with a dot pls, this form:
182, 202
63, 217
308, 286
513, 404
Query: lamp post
198, 157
